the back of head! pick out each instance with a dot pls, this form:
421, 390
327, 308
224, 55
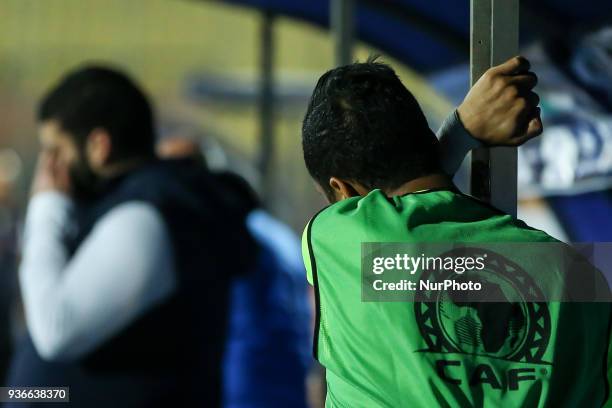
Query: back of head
99, 97
363, 125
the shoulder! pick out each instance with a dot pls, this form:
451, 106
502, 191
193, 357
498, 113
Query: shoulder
132, 218
275, 236
263, 225
343, 222
351, 210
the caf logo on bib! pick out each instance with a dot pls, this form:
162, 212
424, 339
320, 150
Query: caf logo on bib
499, 321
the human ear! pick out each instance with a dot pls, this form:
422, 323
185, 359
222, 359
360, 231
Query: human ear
98, 148
344, 189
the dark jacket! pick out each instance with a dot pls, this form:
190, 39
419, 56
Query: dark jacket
172, 355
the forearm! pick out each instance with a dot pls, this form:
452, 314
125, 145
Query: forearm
455, 143
44, 259
122, 269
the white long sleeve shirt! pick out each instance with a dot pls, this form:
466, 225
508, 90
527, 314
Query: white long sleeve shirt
123, 268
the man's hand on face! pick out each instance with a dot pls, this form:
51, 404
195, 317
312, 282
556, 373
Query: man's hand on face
501, 109
51, 174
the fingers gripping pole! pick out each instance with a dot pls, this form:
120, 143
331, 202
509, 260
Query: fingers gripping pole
494, 28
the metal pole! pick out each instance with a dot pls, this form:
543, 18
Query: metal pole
342, 26
266, 106
494, 28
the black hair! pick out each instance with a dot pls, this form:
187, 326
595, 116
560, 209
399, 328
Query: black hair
363, 125
100, 97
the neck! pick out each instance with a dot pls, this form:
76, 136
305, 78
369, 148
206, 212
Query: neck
432, 181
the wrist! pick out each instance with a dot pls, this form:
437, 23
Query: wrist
464, 119
465, 135
50, 208
455, 143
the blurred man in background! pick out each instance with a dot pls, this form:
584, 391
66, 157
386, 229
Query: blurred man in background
268, 346
127, 260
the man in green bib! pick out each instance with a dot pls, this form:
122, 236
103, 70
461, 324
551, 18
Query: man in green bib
372, 154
